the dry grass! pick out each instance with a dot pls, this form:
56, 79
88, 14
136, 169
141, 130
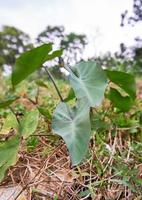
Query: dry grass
111, 171
44, 177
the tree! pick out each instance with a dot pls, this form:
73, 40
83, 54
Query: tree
136, 50
12, 43
51, 34
72, 43
136, 16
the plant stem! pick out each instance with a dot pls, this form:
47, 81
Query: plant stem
68, 68
56, 88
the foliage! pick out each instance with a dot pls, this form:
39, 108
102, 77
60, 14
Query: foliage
8, 154
72, 43
29, 123
7, 102
89, 83
135, 51
50, 34
136, 15
124, 80
12, 43
128, 58
9, 123
124, 103
40, 55
74, 126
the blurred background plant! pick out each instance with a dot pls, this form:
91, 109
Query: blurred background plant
14, 41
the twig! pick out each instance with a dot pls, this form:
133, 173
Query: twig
42, 194
112, 154
30, 182
33, 102
40, 135
37, 95
68, 68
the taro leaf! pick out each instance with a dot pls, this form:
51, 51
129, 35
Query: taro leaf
124, 103
124, 80
29, 62
71, 95
8, 154
29, 123
8, 102
10, 122
90, 82
55, 54
73, 125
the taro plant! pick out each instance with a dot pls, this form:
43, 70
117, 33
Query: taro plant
89, 84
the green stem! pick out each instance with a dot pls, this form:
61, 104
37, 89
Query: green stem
68, 68
56, 88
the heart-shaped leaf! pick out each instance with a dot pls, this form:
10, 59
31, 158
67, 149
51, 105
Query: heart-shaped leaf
89, 81
29, 123
29, 62
124, 80
73, 125
8, 154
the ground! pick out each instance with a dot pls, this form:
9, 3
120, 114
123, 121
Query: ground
112, 169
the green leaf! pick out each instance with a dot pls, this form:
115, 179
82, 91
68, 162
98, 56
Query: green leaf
45, 112
10, 122
7, 102
8, 154
29, 123
90, 82
124, 103
29, 62
71, 95
73, 125
41, 83
124, 80
55, 54
84, 193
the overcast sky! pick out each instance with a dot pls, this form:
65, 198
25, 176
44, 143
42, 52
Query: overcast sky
99, 19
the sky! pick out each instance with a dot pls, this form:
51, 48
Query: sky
98, 19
